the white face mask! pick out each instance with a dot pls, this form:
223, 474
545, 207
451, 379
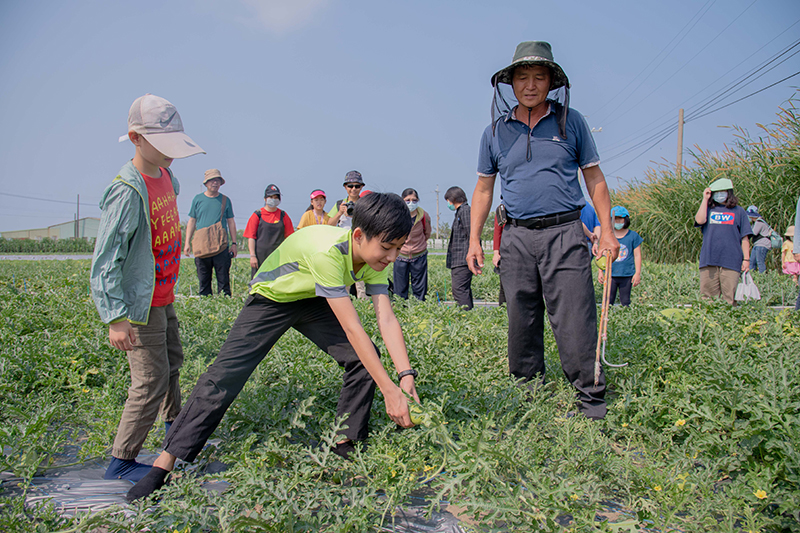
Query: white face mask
273, 202
412, 205
720, 197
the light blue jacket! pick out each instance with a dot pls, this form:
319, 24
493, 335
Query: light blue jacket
123, 267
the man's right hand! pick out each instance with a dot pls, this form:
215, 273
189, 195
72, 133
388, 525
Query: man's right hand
475, 258
253, 261
187, 250
343, 209
121, 335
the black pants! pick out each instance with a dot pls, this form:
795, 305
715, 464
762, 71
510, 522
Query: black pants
551, 266
257, 328
624, 284
461, 278
417, 270
221, 265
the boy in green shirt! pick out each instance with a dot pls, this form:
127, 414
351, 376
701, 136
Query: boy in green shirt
304, 285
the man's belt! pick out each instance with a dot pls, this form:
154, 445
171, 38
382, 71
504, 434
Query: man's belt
547, 221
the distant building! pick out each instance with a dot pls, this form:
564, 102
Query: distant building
86, 229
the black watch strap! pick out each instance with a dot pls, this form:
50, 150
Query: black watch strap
404, 373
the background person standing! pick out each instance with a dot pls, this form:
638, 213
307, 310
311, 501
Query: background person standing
412, 262
267, 228
206, 211
460, 274
726, 248
315, 214
760, 242
353, 183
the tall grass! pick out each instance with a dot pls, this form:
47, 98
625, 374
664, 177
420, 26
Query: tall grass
765, 171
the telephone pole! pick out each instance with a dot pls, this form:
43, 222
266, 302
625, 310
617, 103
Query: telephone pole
437, 211
680, 142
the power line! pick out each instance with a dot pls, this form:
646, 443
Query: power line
669, 113
46, 199
656, 57
671, 76
748, 96
711, 99
672, 129
654, 69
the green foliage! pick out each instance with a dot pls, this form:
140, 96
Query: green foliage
764, 171
46, 246
701, 435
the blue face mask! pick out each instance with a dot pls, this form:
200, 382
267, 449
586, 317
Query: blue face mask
720, 197
451, 207
619, 225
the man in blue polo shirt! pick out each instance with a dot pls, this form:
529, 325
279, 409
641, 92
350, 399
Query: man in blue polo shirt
537, 148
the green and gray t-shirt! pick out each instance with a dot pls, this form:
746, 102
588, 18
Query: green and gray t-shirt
315, 261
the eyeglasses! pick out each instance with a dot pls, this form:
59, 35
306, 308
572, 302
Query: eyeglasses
353, 185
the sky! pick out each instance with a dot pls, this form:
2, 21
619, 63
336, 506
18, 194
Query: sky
298, 92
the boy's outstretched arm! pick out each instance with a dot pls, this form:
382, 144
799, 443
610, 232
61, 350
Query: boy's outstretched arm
395, 400
392, 335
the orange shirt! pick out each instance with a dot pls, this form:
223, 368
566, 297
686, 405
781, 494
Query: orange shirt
166, 236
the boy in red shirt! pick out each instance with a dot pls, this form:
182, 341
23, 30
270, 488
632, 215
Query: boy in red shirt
134, 270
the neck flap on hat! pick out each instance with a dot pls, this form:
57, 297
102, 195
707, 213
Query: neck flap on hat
501, 107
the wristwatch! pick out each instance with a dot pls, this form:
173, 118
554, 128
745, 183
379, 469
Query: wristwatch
404, 373
233, 243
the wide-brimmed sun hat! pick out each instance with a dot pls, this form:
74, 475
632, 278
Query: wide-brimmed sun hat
789, 232
722, 184
212, 173
533, 53
354, 176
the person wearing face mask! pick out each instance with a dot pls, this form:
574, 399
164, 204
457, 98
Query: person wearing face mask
626, 271
267, 228
412, 263
725, 253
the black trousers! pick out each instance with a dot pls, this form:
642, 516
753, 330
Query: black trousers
461, 278
221, 266
257, 328
417, 270
551, 266
624, 284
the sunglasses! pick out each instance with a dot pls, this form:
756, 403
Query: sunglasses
353, 186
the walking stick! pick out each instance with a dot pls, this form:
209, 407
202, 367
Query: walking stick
602, 334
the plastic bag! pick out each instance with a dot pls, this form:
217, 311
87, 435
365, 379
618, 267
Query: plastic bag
747, 290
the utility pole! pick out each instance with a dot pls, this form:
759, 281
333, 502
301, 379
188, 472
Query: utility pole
680, 142
437, 211
78, 218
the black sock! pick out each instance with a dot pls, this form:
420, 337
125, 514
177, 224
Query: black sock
151, 482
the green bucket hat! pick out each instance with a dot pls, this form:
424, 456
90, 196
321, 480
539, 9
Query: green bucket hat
533, 53
722, 184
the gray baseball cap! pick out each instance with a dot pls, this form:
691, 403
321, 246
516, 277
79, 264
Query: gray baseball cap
157, 120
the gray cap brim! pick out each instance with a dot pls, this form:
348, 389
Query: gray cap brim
175, 144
